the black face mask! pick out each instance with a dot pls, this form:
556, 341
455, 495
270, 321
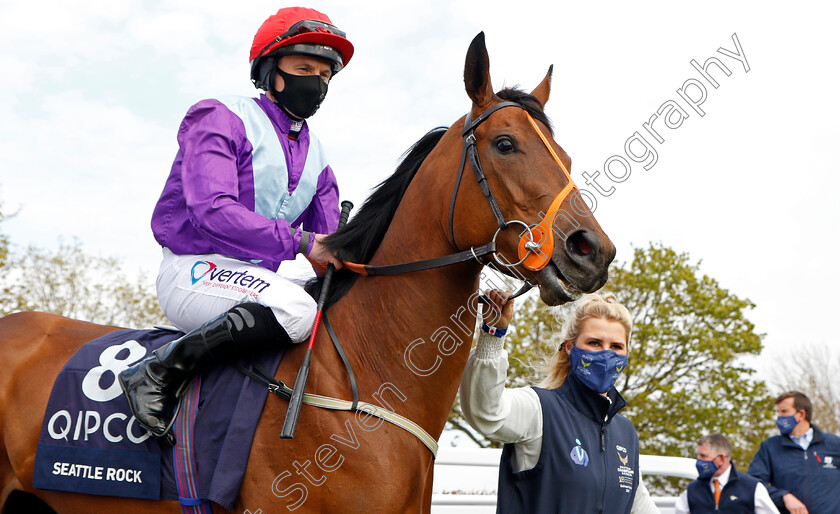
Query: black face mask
301, 95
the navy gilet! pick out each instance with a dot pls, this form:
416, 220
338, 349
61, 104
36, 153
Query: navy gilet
589, 460
738, 495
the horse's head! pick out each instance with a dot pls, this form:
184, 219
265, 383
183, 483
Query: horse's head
550, 231
524, 201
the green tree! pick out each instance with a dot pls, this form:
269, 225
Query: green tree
4, 243
72, 283
4, 255
686, 376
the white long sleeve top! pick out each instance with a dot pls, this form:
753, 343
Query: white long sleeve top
512, 415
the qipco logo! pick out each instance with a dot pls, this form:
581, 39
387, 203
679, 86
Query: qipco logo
100, 385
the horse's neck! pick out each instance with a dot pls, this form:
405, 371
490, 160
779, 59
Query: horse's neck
411, 333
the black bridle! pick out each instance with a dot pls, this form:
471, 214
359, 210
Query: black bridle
471, 152
479, 253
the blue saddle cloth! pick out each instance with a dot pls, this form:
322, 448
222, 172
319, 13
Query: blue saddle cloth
90, 443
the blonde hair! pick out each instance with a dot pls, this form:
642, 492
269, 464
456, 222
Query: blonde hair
603, 306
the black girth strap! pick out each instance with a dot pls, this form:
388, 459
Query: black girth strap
281, 389
267, 379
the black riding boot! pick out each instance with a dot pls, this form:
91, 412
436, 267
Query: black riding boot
153, 386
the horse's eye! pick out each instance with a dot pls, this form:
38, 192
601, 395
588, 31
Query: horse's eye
504, 145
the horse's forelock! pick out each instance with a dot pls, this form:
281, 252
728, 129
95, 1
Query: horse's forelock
528, 102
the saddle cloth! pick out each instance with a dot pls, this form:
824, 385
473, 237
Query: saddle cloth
90, 442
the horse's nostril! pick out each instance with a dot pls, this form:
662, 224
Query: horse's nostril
579, 244
584, 247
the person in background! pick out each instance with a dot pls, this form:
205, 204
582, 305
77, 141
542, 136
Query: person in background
801, 465
720, 487
567, 448
250, 187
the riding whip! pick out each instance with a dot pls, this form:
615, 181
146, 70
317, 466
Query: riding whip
293, 412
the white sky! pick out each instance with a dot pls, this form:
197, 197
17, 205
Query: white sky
91, 95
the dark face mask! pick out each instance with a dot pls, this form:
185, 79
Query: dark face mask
706, 468
786, 424
301, 95
596, 370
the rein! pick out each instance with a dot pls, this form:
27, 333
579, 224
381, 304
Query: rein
534, 254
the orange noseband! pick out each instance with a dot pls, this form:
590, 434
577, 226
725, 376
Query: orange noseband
537, 245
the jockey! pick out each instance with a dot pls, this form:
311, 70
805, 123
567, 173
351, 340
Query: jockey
250, 187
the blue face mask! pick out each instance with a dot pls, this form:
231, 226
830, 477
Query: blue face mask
786, 424
596, 370
705, 468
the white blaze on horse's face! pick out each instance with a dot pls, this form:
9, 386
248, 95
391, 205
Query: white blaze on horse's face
554, 240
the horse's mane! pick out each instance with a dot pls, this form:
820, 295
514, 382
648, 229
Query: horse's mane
358, 240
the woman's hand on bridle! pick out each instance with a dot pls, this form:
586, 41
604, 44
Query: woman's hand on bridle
500, 311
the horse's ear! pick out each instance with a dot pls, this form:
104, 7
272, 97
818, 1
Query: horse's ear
542, 91
477, 72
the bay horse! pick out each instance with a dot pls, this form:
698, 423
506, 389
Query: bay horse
407, 336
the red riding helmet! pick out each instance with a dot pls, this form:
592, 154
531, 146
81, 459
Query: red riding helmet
297, 30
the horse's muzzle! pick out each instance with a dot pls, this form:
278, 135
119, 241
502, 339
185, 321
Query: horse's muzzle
579, 265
